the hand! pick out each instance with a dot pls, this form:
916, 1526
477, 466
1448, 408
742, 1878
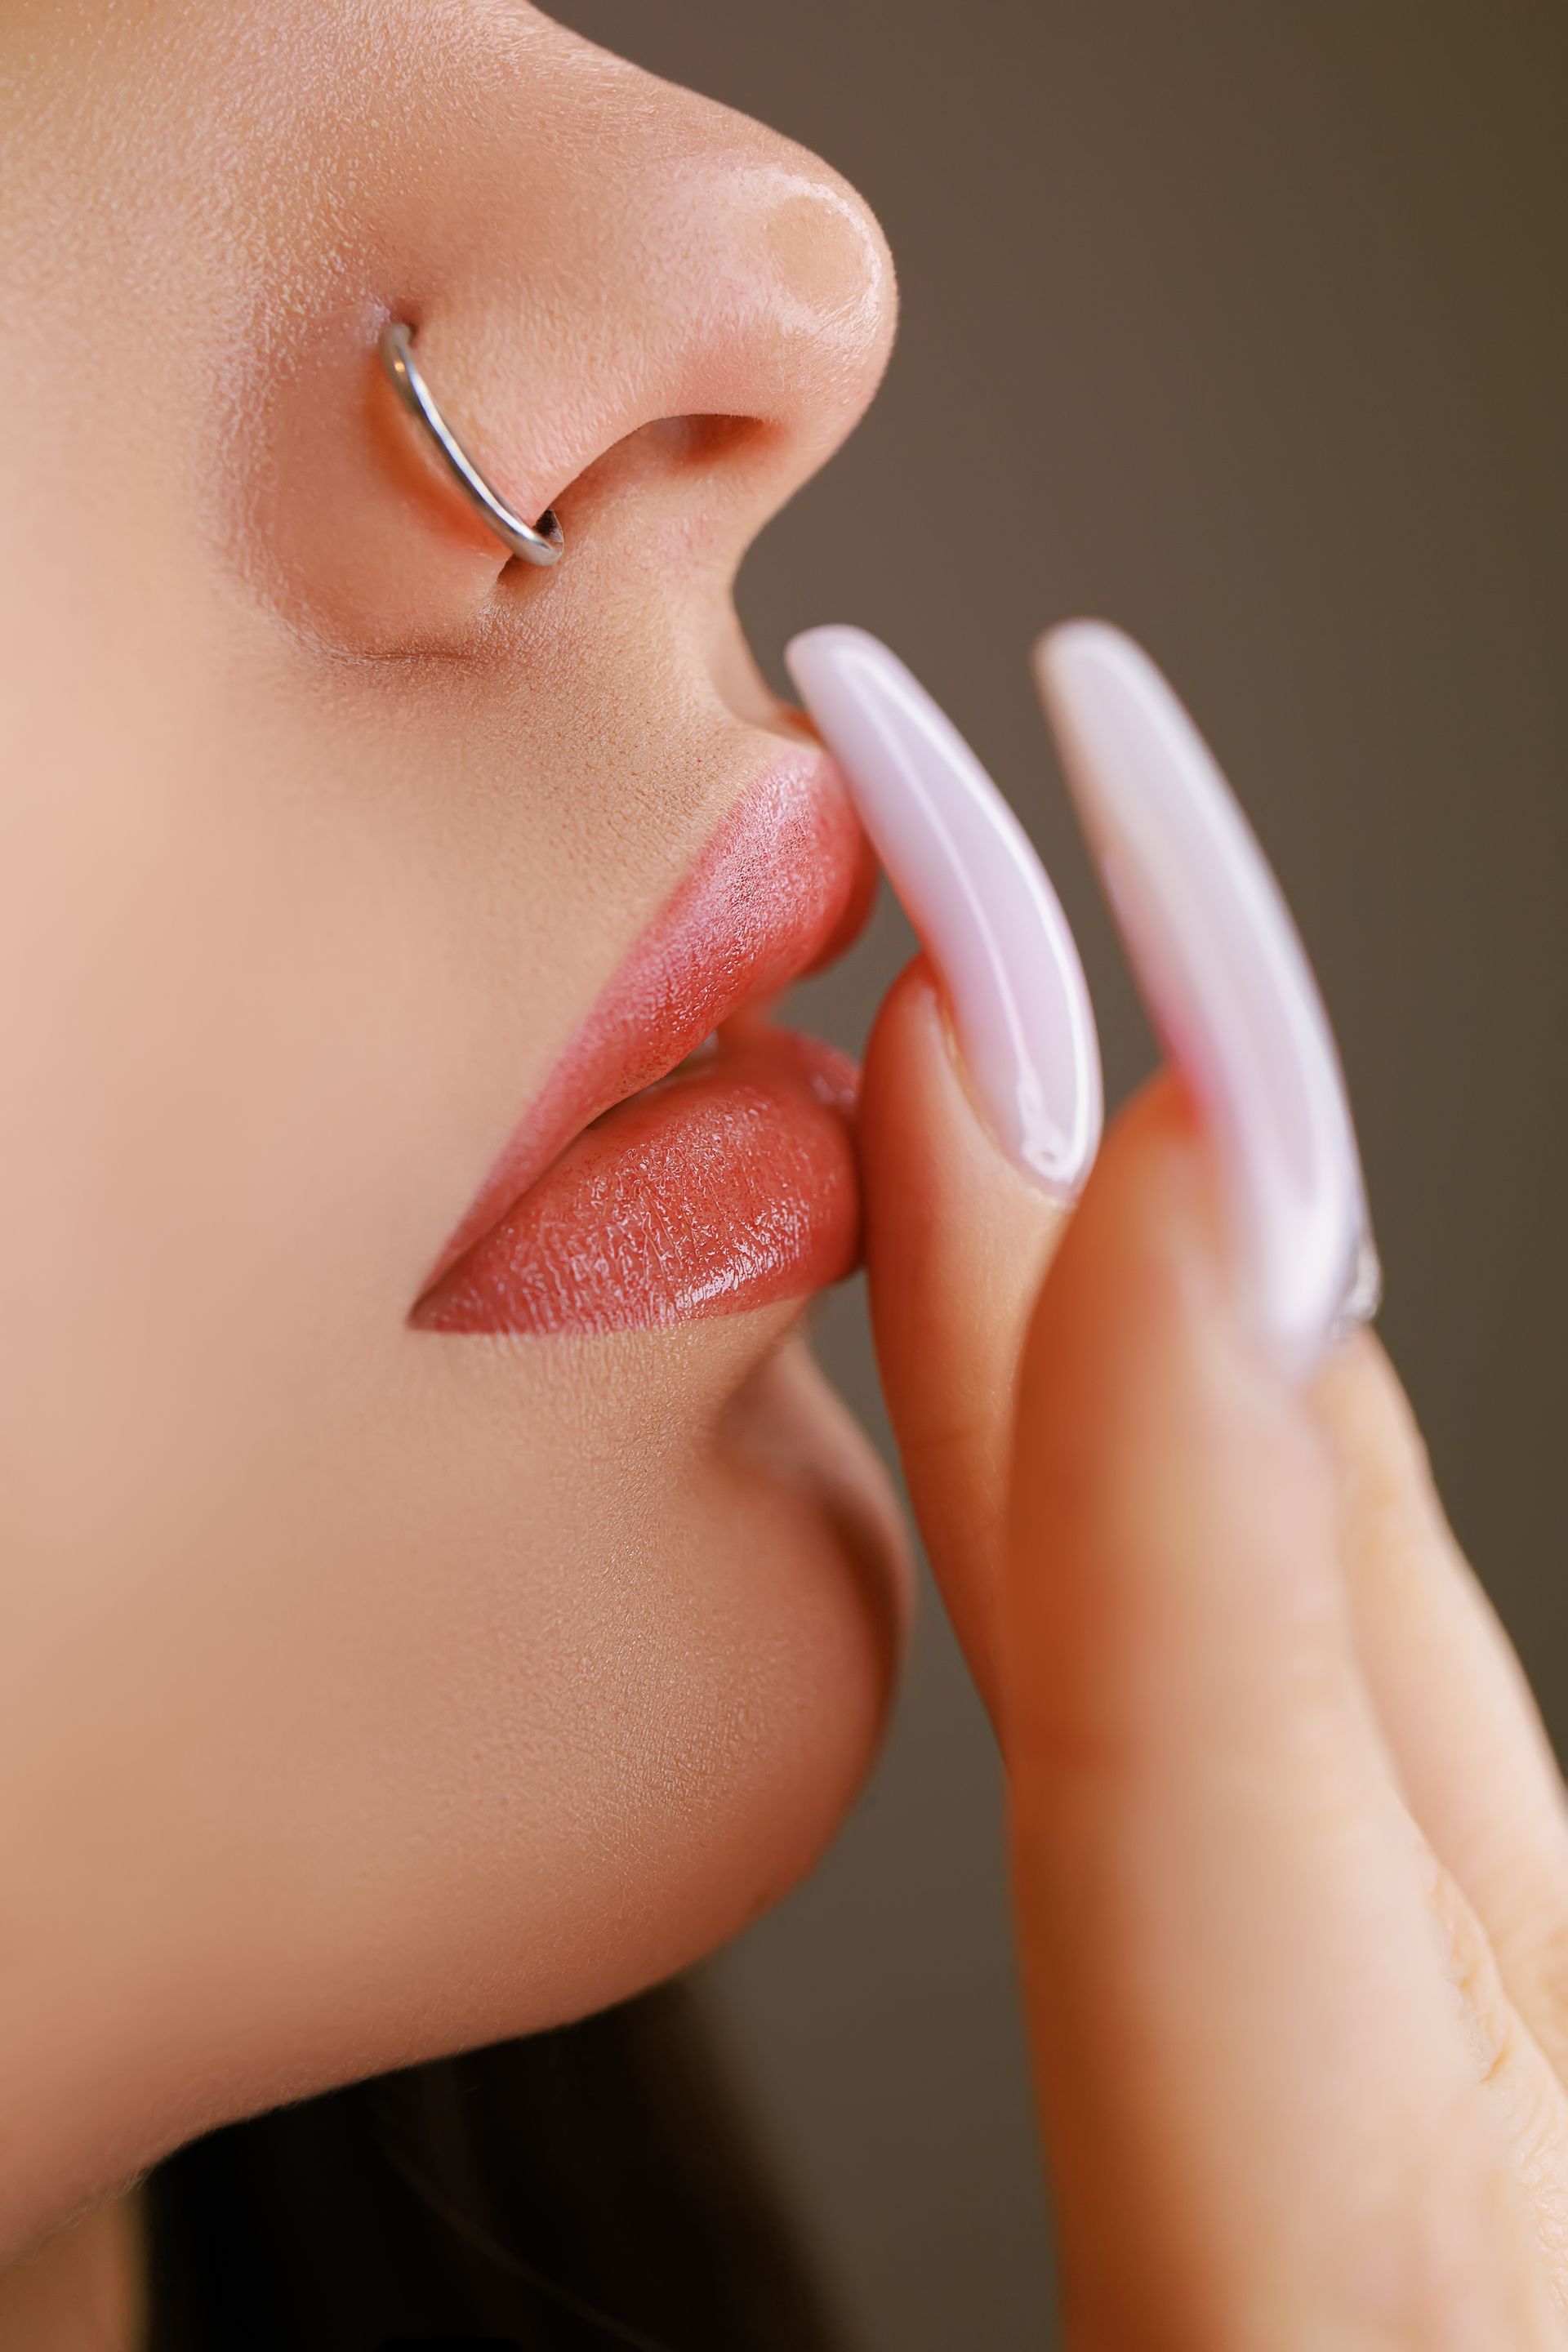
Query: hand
1291, 1860
1290, 1867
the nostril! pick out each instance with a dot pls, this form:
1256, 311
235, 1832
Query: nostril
697, 440
667, 449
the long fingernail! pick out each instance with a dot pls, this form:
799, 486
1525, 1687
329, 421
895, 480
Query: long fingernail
977, 895
1226, 981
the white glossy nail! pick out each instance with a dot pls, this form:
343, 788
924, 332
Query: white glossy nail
1226, 981
971, 883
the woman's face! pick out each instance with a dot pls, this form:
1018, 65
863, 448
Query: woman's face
427, 1615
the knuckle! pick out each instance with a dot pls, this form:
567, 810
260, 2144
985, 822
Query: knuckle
1488, 2017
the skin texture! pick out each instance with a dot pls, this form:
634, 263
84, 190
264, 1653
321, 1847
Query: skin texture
367, 1691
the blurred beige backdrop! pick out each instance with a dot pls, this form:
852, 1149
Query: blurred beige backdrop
1241, 323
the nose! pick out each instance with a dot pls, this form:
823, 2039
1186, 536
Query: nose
638, 307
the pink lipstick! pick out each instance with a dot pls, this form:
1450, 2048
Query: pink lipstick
685, 1158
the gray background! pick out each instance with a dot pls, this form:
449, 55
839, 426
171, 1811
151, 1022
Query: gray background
1241, 323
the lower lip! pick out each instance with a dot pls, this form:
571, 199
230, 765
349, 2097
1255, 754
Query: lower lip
730, 1185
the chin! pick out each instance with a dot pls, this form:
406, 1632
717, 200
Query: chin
786, 1622
840, 1604
669, 1725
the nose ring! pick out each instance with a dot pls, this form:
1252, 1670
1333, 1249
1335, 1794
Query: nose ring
543, 542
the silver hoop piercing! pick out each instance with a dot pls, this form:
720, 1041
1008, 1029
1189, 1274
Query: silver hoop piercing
543, 542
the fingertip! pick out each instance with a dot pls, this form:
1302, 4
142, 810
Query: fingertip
1141, 1386
1150, 1233
928, 1151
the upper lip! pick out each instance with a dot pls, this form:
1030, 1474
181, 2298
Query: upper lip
781, 888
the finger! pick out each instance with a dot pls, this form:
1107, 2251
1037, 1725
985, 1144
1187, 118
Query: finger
981, 1108
1521, 2088
1228, 1910
957, 1241
1467, 1743
1260, 2100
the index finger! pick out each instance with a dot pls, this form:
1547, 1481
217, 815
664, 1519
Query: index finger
981, 1105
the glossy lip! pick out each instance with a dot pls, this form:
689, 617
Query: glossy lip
619, 1201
